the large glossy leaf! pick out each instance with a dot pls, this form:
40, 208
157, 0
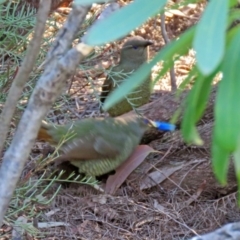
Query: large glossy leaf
232, 33
195, 106
189, 130
179, 46
123, 21
236, 157
233, 16
209, 41
233, 3
220, 161
88, 2
227, 114
188, 127
204, 92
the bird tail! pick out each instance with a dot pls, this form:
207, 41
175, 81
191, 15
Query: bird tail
43, 132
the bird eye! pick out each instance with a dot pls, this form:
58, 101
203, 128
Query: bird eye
135, 47
146, 121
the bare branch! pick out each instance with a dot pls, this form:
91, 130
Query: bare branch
23, 73
66, 35
166, 40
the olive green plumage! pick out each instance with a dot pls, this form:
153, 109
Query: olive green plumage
96, 146
133, 54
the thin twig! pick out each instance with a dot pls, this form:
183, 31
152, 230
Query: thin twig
166, 40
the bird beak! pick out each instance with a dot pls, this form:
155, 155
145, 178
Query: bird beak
164, 126
148, 43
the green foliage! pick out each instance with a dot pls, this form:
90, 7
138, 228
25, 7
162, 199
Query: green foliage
27, 198
227, 100
227, 117
34, 193
220, 161
17, 21
123, 21
236, 158
217, 50
209, 56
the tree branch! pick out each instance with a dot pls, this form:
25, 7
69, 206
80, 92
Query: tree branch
166, 40
23, 73
46, 91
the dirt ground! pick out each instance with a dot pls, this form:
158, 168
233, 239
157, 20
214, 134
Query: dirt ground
172, 195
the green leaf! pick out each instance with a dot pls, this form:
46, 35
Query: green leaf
236, 158
188, 127
178, 46
227, 114
233, 16
204, 92
231, 34
233, 3
189, 131
88, 2
195, 106
123, 21
209, 41
220, 162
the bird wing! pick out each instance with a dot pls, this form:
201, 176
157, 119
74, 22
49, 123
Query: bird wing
107, 148
91, 148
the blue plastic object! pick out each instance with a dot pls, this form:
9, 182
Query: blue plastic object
164, 126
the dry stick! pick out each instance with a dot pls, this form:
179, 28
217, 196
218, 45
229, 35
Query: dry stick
23, 73
45, 93
166, 40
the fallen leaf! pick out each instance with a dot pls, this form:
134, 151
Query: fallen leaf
156, 177
52, 224
52, 212
123, 171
